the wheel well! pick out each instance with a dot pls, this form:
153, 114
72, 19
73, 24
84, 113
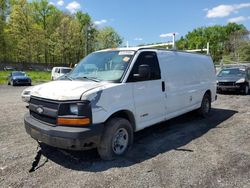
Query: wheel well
126, 115
208, 92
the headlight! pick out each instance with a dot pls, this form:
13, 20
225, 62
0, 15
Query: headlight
73, 109
26, 93
242, 80
75, 114
26, 96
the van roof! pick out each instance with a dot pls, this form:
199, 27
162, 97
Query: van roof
143, 48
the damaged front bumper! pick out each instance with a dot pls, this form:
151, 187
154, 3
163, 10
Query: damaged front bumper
73, 138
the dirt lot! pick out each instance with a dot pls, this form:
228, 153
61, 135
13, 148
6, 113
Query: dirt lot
184, 152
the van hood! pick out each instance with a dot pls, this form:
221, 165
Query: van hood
63, 90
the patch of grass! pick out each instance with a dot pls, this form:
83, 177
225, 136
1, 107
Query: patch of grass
36, 76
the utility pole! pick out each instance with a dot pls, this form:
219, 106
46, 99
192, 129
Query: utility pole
174, 47
86, 40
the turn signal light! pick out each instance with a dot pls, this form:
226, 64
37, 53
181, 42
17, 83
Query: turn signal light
73, 121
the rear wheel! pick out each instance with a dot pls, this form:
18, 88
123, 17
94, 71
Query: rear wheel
205, 108
116, 138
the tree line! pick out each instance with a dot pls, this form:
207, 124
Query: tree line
39, 32
229, 43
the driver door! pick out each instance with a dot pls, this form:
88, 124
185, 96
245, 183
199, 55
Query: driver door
149, 94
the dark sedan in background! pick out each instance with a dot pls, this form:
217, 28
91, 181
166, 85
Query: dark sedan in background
18, 78
234, 79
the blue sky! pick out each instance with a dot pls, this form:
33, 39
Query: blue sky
144, 21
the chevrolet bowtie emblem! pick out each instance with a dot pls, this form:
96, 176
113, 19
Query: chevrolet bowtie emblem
40, 110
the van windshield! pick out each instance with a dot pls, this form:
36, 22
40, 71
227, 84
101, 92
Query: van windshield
102, 66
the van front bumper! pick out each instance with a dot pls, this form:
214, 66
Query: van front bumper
73, 138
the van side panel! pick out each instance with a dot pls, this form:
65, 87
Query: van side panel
187, 77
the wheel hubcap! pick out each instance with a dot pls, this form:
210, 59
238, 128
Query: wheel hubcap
120, 141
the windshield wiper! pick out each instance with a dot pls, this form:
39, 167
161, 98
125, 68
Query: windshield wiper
66, 76
89, 78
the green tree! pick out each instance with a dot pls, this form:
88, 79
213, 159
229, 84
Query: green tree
108, 38
42, 13
20, 31
220, 38
3, 15
36, 31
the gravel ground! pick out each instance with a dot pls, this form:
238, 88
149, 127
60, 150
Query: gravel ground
184, 152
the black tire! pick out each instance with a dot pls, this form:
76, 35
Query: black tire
8, 83
110, 147
218, 91
246, 90
204, 110
12, 83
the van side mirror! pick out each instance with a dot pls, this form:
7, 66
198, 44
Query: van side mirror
143, 72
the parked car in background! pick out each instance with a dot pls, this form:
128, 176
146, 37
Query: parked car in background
234, 79
59, 71
9, 68
19, 78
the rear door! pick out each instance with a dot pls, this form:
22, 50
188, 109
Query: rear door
149, 97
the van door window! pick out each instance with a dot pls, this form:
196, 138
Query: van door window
150, 59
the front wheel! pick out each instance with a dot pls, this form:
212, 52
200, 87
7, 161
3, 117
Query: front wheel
205, 108
12, 83
246, 90
116, 138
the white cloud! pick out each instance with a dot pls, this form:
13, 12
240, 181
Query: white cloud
225, 10
100, 22
60, 3
73, 7
51, 3
238, 19
138, 39
168, 35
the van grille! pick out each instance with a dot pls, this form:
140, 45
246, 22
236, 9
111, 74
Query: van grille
51, 107
42, 118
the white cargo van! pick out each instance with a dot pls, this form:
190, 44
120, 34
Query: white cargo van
57, 72
113, 93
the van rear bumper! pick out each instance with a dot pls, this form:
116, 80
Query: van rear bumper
73, 138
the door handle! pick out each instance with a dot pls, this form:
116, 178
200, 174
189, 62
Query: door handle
163, 86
